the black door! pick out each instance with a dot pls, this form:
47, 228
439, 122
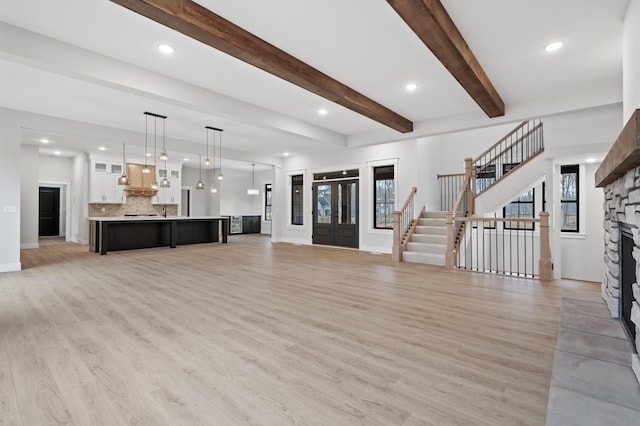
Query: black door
49, 224
335, 213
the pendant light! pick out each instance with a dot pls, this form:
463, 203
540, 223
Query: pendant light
154, 183
146, 169
123, 180
165, 182
253, 190
207, 161
214, 190
163, 155
220, 175
200, 184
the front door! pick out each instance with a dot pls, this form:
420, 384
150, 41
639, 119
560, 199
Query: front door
335, 213
49, 217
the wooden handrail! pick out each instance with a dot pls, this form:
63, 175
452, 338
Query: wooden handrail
461, 194
521, 164
450, 175
406, 203
497, 219
506, 149
501, 140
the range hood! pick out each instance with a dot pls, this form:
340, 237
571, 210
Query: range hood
140, 183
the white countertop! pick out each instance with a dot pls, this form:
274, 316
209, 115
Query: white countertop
147, 218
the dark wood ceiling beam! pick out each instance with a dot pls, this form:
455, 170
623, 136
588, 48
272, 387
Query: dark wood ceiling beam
195, 21
433, 25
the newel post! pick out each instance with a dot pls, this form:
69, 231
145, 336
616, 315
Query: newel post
471, 177
450, 255
396, 253
545, 264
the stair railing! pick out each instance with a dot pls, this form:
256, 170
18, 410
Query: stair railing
461, 208
450, 186
404, 221
509, 153
506, 246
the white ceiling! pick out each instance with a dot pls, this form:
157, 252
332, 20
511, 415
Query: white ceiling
96, 62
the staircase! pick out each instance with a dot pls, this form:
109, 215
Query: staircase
428, 242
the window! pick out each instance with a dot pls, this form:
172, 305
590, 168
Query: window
522, 207
384, 197
485, 176
297, 206
569, 198
267, 201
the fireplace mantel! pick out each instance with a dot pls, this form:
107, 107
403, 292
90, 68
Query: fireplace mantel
624, 155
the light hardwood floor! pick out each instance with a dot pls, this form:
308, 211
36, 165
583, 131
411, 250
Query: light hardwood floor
262, 334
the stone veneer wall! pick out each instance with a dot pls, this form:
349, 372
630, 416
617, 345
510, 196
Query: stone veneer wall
136, 204
622, 206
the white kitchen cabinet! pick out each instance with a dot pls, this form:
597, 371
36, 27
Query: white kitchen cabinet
104, 188
173, 194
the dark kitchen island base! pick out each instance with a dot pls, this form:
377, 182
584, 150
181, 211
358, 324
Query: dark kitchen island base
126, 233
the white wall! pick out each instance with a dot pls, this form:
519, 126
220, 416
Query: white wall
52, 168
582, 252
631, 60
80, 199
401, 153
203, 202
9, 191
234, 199
29, 197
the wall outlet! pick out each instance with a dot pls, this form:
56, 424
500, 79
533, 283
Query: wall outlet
104, 210
9, 209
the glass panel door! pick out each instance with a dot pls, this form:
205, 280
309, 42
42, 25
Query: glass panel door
323, 204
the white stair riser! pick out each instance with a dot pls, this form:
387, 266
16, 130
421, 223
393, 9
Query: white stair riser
429, 239
426, 248
427, 258
441, 215
432, 230
432, 222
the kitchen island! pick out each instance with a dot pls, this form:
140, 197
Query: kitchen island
127, 233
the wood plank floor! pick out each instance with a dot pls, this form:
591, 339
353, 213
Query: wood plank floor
271, 334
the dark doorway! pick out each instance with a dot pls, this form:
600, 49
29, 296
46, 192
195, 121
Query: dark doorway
335, 213
49, 220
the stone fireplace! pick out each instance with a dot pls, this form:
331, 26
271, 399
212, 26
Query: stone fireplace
619, 175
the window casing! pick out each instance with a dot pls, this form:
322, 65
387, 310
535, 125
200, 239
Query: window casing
384, 197
485, 178
569, 202
297, 200
267, 201
522, 207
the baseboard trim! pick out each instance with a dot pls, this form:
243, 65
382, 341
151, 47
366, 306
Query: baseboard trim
29, 246
10, 267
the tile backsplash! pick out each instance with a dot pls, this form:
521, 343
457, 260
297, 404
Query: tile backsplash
136, 204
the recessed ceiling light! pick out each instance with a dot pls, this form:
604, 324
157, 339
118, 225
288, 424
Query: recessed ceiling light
102, 148
286, 154
147, 154
166, 49
552, 47
57, 152
186, 159
591, 160
411, 87
44, 140
322, 111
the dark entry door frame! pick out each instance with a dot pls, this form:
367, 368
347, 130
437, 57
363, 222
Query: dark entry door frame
336, 212
65, 207
48, 211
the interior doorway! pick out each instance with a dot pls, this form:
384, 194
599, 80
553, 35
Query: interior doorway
335, 209
186, 202
49, 212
